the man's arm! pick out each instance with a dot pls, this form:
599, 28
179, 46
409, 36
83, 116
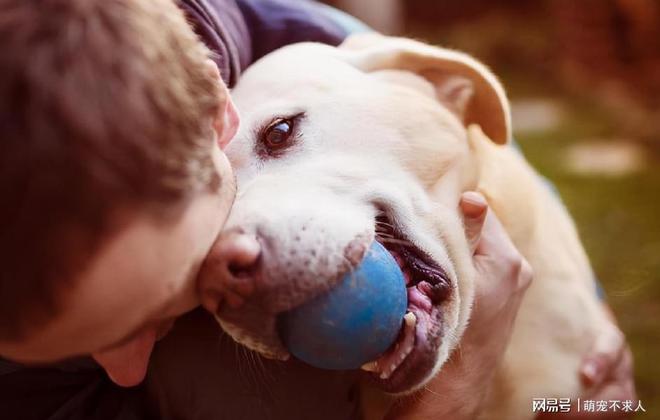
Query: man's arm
221, 26
240, 32
276, 23
502, 278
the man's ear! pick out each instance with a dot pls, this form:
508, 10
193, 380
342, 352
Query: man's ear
226, 122
464, 85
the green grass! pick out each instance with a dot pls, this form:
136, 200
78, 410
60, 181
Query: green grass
619, 222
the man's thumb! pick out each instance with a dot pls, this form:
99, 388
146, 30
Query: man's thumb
474, 208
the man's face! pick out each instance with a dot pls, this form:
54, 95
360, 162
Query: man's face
139, 282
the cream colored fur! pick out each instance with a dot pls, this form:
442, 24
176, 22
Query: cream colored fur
402, 121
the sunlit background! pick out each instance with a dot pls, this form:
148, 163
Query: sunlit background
584, 80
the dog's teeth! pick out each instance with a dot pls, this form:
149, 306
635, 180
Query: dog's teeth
410, 319
390, 362
370, 367
388, 372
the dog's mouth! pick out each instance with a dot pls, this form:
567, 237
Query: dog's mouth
411, 359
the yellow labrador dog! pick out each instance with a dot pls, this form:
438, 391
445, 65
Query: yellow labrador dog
376, 140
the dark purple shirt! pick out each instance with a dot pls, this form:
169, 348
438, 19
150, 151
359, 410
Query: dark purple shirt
241, 31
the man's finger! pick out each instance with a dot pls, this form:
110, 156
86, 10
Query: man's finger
474, 208
603, 357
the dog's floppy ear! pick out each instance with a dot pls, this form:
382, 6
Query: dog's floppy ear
462, 83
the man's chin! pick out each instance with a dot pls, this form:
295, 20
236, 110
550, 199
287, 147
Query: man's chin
126, 364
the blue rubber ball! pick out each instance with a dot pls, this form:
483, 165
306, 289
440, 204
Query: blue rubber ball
356, 321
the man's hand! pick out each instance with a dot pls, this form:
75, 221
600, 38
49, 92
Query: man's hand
503, 276
607, 374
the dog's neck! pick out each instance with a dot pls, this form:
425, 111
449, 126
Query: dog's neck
524, 203
511, 187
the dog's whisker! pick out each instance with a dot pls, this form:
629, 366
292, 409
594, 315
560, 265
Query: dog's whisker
430, 391
396, 241
384, 224
259, 369
252, 368
419, 398
240, 360
268, 375
384, 230
385, 235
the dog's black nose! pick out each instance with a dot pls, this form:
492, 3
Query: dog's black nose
227, 276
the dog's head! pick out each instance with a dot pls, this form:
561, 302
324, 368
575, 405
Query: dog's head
342, 146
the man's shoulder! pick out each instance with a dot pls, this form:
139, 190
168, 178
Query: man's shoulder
275, 23
221, 26
73, 390
241, 31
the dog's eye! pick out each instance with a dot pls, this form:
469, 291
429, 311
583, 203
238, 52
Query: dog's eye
278, 134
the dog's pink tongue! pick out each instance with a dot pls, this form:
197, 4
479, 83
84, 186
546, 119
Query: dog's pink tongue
127, 364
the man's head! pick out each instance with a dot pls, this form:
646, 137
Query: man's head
112, 181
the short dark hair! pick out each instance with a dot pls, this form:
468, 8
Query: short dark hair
104, 105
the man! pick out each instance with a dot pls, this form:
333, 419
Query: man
115, 188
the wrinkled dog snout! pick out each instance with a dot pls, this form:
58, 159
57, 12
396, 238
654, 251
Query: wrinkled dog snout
255, 273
